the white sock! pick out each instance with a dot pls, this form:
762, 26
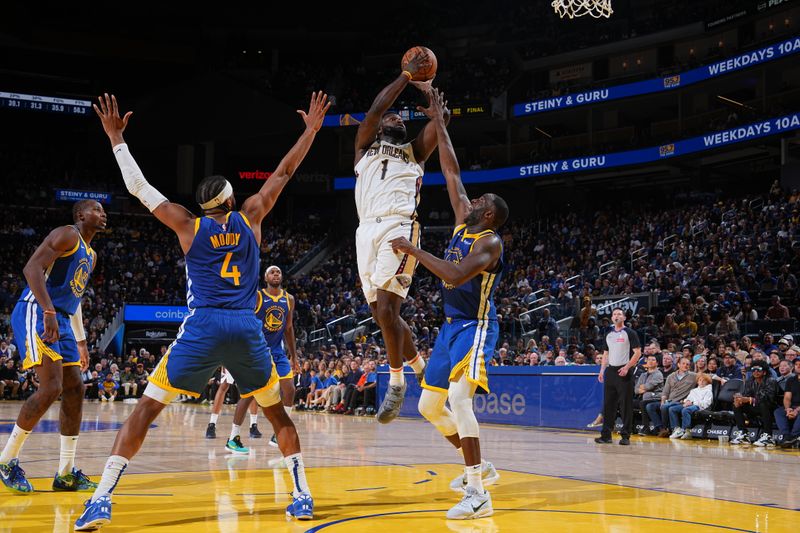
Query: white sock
298, 472
396, 377
474, 477
235, 431
253, 419
66, 458
418, 364
115, 466
214, 418
14, 444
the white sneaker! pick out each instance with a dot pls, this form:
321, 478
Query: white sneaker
687, 435
472, 505
103, 399
677, 433
739, 437
765, 441
489, 476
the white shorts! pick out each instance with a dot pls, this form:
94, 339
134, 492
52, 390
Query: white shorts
378, 266
226, 377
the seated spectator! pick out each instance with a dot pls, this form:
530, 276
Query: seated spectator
648, 390
777, 311
351, 383
315, 386
731, 368
676, 389
108, 389
127, 381
787, 416
303, 385
9, 378
784, 373
699, 398
757, 403
364, 394
92, 385
140, 377
667, 364
30, 383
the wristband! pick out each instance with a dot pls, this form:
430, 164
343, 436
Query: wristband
408, 74
48, 312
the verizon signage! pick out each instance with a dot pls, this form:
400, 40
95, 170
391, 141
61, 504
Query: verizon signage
262, 175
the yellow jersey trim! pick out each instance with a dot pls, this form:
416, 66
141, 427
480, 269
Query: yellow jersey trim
197, 225
260, 301
75, 249
458, 228
431, 387
275, 298
245, 220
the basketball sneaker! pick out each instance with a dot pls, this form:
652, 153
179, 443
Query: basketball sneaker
740, 437
254, 432
765, 441
14, 477
273, 441
75, 481
392, 403
472, 505
302, 507
235, 446
95, 515
211, 431
489, 476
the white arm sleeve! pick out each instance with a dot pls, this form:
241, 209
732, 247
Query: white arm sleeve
77, 325
134, 179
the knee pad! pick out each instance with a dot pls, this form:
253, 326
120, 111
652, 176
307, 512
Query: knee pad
269, 396
431, 406
158, 394
460, 394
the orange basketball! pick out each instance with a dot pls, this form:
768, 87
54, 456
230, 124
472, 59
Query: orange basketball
428, 71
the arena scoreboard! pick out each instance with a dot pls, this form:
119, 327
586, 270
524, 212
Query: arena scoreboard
47, 104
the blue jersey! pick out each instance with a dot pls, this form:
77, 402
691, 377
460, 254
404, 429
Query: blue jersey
273, 312
67, 277
222, 264
473, 299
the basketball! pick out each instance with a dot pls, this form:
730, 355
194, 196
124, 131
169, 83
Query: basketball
423, 74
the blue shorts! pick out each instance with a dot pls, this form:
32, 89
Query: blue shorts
27, 320
463, 346
282, 364
210, 337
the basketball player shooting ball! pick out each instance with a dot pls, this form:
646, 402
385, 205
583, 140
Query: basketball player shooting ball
388, 179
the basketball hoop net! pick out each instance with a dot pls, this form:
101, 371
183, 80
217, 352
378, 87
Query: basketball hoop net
579, 8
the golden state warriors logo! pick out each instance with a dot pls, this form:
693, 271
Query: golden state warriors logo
80, 278
454, 255
273, 320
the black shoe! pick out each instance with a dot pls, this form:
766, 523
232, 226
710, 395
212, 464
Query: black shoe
254, 432
211, 431
625, 441
602, 440
788, 443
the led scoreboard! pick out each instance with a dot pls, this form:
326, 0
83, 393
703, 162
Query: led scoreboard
49, 104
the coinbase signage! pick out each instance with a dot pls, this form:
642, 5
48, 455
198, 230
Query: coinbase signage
652, 154
155, 313
690, 77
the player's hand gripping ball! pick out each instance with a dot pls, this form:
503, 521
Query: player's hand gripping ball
420, 62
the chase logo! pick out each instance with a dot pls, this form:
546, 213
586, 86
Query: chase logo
80, 278
672, 81
273, 321
666, 150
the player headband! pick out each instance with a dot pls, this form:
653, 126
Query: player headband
226, 193
271, 267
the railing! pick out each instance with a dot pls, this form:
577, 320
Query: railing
605, 268
111, 330
756, 203
641, 253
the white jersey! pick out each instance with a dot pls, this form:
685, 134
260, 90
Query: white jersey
388, 179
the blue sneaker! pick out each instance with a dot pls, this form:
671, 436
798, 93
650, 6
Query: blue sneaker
14, 477
302, 507
96, 514
75, 481
235, 446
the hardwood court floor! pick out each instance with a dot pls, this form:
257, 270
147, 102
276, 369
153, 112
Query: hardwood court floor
369, 477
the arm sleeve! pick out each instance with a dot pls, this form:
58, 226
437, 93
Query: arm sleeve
134, 179
76, 320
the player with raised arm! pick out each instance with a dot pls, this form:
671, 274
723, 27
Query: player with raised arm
222, 266
388, 179
470, 273
48, 319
